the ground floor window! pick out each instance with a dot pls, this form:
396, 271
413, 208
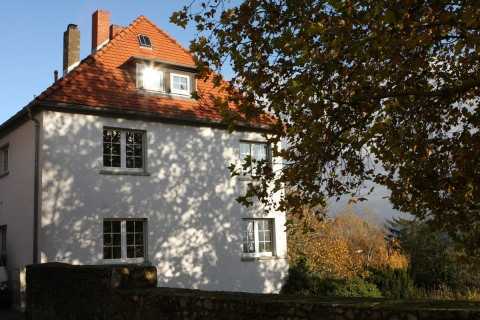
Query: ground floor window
124, 239
258, 237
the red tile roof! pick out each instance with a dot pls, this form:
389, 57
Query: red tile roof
101, 81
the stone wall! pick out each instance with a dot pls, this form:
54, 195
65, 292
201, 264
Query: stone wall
101, 292
63, 291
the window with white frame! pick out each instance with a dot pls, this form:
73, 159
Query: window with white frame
258, 237
123, 149
256, 152
179, 84
4, 160
124, 239
150, 78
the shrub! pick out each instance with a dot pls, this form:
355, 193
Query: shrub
301, 281
393, 283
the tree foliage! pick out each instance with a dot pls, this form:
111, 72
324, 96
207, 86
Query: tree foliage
383, 91
436, 262
343, 247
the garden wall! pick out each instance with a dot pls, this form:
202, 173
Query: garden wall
61, 291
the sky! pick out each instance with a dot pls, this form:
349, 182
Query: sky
32, 39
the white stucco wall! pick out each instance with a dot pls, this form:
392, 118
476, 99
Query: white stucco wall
16, 201
194, 222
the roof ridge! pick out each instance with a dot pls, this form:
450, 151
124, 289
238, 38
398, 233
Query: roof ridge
166, 34
102, 50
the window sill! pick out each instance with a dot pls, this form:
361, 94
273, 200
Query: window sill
166, 94
124, 261
260, 258
4, 174
124, 173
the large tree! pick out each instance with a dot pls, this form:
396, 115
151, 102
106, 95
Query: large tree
381, 91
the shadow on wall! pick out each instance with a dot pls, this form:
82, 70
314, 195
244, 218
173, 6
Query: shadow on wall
194, 222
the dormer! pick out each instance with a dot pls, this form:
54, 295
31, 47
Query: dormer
163, 77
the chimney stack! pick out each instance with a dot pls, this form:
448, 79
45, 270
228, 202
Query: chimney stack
71, 48
114, 30
100, 29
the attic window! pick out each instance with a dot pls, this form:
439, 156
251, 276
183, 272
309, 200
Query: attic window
144, 41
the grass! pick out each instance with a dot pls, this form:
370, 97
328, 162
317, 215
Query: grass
445, 293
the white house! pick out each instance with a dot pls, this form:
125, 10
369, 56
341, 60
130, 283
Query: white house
116, 162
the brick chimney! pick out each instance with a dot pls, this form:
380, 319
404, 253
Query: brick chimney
114, 30
71, 48
100, 29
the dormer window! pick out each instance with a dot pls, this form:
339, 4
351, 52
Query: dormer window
144, 41
180, 84
150, 78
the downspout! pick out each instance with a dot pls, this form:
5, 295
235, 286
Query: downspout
36, 185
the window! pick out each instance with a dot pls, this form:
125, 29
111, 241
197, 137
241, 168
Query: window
149, 78
258, 237
144, 41
256, 152
124, 239
180, 84
4, 160
123, 149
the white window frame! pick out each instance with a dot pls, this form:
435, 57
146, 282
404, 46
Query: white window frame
186, 92
123, 241
250, 171
4, 161
123, 151
140, 81
258, 254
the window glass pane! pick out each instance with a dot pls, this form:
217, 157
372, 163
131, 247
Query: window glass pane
135, 239
138, 226
152, 79
265, 235
130, 226
111, 148
139, 239
134, 148
244, 150
112, 239
107, 253
259, 151
116, 226
130, 239
130, 252
107, 239
117, 241
248, 236
179, 83
139, 252
117, 253
107, 226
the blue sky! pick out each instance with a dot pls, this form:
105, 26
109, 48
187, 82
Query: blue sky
32, 39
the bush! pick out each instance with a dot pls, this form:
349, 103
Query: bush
301, 281
393, 283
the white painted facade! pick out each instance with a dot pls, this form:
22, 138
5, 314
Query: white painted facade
194, 235
16, 202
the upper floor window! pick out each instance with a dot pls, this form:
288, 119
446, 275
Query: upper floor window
256, 152
179, 84
124, 149
150, 78
4, 160
144, 41
258, 237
